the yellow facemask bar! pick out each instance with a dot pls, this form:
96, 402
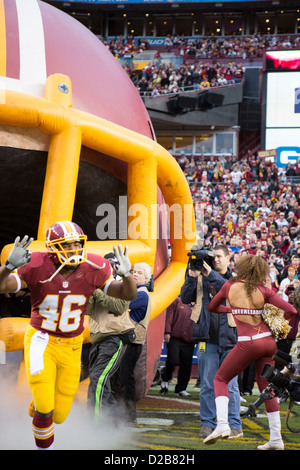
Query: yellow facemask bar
65, 256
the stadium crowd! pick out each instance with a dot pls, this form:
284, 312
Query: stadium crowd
156, 80
192, 72
250, 205
217, 47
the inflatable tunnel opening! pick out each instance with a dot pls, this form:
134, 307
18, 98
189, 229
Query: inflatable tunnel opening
22, 176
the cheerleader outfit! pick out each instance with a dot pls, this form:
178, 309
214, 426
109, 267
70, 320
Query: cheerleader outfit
255, 342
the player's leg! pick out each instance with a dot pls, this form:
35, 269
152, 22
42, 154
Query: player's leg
42, 388
67, 379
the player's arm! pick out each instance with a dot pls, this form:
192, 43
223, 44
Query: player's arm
10, 282
125, 289
19, 256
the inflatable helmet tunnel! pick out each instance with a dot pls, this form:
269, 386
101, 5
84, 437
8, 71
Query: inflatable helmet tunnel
76, 143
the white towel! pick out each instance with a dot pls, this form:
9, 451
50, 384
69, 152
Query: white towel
2, 353
38, 345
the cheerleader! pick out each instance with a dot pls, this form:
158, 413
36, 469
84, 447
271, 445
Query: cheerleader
247, 297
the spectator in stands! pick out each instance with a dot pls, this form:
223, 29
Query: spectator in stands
281, 221
221, 80
168, 43
286, 282
294, 263
204, 83
236, 175
143, 84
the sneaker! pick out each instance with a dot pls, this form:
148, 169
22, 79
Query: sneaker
205, 431
183, 393
221, 431
235, 433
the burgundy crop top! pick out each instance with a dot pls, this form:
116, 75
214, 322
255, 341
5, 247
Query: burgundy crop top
270, 297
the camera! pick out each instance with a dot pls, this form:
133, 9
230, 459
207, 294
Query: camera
281, 381
281, 386
113, 261
199, 254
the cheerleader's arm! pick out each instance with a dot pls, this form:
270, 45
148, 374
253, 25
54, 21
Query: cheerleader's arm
215, 305
274, 299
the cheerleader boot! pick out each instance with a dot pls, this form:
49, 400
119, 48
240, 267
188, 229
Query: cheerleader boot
222, 429
275, 442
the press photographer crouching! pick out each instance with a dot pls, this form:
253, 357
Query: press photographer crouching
289, 377
284, 385
207, 271
285, 344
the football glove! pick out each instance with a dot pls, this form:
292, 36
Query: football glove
122, 266
19, 255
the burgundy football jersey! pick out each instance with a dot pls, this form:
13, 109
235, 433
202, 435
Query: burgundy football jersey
58, 306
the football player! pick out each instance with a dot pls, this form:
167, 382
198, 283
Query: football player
61, 281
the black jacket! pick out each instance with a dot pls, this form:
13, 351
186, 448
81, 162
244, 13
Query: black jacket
211, 327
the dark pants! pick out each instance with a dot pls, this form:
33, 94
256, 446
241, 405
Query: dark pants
104, 361
127, 393
246, 379
283, 345
180, 353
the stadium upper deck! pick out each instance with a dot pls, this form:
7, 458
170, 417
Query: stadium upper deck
238, 124
153, 19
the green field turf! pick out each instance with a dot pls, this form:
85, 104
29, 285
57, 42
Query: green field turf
168, 422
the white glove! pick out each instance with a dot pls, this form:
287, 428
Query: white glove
19, 255
123, 266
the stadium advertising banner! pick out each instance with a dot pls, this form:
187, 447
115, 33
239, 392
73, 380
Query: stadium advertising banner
282, 105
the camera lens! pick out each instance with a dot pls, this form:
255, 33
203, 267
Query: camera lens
271, 374
196, 264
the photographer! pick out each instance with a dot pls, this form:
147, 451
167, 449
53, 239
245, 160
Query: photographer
216, 333
294, 299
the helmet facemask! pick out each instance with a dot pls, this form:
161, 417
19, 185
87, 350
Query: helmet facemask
60, 240
69, 256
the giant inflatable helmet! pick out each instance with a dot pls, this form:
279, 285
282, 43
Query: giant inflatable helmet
77, 143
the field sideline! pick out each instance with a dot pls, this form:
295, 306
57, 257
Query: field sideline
168, 422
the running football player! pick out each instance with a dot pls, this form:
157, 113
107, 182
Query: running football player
61, 281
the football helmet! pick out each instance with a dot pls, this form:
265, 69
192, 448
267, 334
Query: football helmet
58, 236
